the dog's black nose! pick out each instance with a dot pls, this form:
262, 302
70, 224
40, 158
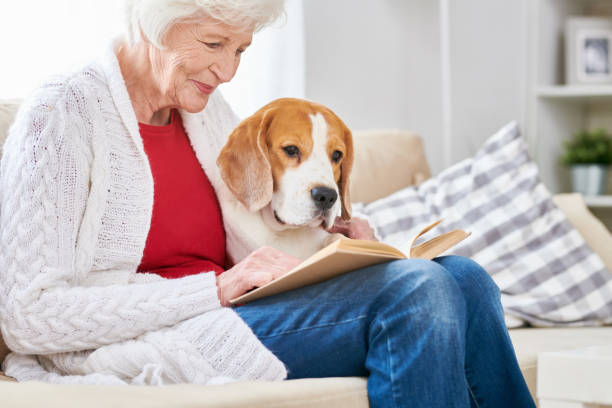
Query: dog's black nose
324, 197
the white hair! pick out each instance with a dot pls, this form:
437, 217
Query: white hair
154, 17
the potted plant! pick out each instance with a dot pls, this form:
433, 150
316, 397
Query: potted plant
588, 153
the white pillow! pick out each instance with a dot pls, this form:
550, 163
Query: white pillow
547, 273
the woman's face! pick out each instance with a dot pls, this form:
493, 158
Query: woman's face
198, 57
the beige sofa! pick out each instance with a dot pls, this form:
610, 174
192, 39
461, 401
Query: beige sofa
385, 162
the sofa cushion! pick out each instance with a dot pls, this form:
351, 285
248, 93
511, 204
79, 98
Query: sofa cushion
347, 392
386, 161
547, 273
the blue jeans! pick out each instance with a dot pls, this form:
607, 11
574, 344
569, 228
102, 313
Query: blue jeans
425, 333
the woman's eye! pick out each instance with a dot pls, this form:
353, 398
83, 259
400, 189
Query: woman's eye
292, 151
213, 45
336, 156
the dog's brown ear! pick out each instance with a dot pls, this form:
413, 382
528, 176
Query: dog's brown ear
244, 163
345, 172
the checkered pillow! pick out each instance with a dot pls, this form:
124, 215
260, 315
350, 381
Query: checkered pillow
547, 273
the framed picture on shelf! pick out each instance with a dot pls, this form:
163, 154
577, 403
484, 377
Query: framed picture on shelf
588, 50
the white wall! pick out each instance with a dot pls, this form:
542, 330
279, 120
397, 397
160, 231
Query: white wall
488, 69
379, 64
41, 38
272, 67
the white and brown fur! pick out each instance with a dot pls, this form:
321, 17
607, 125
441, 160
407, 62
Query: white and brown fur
272, 201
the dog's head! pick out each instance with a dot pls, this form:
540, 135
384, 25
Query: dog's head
291, 160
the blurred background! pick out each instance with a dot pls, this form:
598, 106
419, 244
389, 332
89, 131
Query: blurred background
453, 71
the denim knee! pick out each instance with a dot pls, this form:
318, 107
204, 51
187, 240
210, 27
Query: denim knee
426, 286
474, 281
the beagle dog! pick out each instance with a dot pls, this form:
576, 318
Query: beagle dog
288, 168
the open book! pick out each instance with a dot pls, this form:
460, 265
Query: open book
345, 255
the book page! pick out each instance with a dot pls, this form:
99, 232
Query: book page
437, 245
423, 231
374, 247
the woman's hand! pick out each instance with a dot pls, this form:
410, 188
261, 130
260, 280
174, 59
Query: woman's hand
356, 228
257, 269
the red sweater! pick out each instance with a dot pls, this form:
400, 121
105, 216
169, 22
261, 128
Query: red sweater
186, 235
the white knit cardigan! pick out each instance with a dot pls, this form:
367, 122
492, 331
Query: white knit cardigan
76, 198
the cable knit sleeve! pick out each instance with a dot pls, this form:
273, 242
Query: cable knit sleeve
45, 182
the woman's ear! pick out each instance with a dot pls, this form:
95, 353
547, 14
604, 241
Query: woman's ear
244, 163
345, 172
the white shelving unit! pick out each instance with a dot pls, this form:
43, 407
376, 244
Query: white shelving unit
582, 94
599, 201
555, 110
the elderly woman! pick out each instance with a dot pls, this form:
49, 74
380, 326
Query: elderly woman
107, 279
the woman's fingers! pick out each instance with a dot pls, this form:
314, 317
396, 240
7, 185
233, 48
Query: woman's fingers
356, 228
360, 229
274, 261
340, 227
259, 268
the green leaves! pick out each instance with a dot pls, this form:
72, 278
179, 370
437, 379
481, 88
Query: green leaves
588, 147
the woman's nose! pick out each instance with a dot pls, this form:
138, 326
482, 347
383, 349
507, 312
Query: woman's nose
225, 67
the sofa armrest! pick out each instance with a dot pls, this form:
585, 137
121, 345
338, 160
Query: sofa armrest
386, 161
8, 110
3, 351
592, 229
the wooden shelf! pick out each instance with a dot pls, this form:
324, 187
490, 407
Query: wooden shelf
577, 93
603, 201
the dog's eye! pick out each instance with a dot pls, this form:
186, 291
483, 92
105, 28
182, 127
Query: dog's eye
292, 151
336, 156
